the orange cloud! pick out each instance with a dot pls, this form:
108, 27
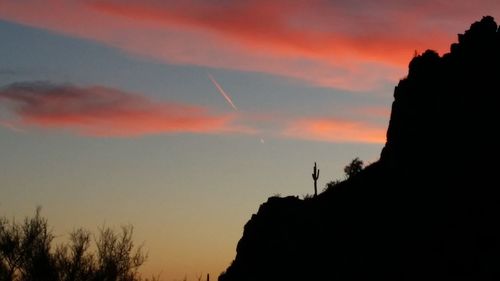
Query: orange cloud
372, 111
102, 111
354, 45
334, 130
314, 29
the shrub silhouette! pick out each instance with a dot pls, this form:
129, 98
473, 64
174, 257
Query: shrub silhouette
73, 260
350, 170
26, 253
25, 249
353, 168
331, 185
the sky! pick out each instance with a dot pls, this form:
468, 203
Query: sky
182, 117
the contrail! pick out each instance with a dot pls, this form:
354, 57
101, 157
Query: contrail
222, 92
10, 126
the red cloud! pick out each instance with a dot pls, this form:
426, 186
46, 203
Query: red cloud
334, 130
314, 29
348, 44
372, 111
102, 111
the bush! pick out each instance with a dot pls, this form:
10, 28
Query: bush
353, 168
26, 254
331, 185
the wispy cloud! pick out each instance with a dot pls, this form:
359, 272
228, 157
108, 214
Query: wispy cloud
99, 111
328, 43
9, 125
334, 130
293, 28
103, 111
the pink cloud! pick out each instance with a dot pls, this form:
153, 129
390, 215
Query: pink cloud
372, 111
334, 130
308, 29
102, 111
99, 111
355, 45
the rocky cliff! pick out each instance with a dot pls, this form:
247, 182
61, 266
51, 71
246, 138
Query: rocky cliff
428, 209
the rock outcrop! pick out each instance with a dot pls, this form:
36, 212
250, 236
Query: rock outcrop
428, 209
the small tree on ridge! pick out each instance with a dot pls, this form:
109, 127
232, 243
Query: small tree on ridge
354, 167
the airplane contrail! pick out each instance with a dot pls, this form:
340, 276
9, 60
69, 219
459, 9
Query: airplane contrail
222, 92
10, 126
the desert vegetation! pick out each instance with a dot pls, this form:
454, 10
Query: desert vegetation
28, 253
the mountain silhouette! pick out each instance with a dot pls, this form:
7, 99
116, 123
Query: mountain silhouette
428, 209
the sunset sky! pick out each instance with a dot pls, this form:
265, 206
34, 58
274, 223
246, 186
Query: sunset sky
182, 117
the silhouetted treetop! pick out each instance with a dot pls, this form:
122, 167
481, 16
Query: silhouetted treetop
353, 168
27, 254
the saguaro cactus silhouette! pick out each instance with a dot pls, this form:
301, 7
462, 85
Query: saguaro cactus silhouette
315, 176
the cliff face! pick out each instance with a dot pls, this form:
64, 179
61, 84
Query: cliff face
428, 209
447, 104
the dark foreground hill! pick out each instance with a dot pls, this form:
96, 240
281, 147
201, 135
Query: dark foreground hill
428, 209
